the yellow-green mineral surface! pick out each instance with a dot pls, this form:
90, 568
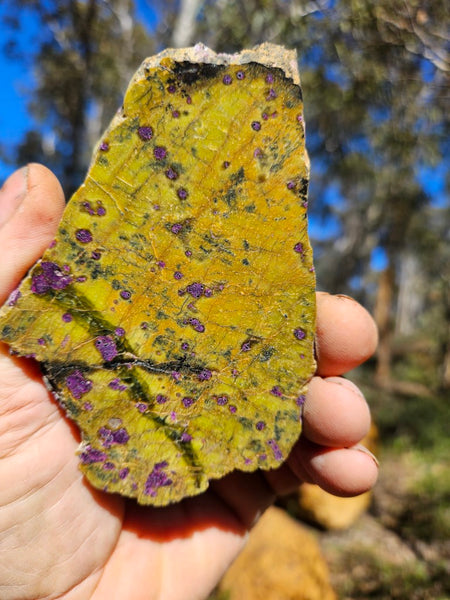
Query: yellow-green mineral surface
173, 315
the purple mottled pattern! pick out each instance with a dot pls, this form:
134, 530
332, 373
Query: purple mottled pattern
290, 185
232, 409
171, 88
197, 325
171, 174
159, 152
78, 384
110, 436
195, 289
240, 75
83, 235
269, 78
260, 425
256, 125
276, 391
275, 449
272, 94
187, 401
108, 466
204, 375
298, 247
157, 478
222, 400
227, 79
101, 211
182, 194
104, 146
123, 473
13, 297
299, 333
119, 331
145, 133
125, 294
106, 346
141, 406
52, 277
245, 346
178, 275
116, 384
185, 346
91, 455
161, 399
300, 401
176, 228
67, 317
188, 253
185, 437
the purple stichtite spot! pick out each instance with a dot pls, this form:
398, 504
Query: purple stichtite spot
78, 384
290, 185
175, 114
88, 406
101, 211
227, 79
13, 297
104, 146
272, 94
300, 401
257, 152
67, 317
262, 457
161, 399
141, 406
188, 100
171, 174
90, 455
204, 375
197, 325
269, 78
41, 342
188, 253
226, 164
248, 461
88, 208
185, 437
96, 255
176, 375
52, 244
246, 346
300, 118
256, 125
274, 115
84, 236
106, 346
260, 425
299, 333
52, 277
123, 473
240, 75
159, 152
195, 289
275, 449
108, 466
119, 331
144, 325
116, 384
120, 436
157, 479
232, 409
81, 279
171, 88
161, 264
276, 391
182, 194
187, 401
145, 133
176, 228
222, 400
125, 294
185, 346
178, 275
298, 247
208, 293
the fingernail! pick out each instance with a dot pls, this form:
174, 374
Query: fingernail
364, 450
12, 193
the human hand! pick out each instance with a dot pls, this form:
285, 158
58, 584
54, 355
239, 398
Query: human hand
60, 538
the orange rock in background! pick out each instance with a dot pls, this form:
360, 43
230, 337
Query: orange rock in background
282, 561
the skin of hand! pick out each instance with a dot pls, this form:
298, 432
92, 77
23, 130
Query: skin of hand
60, 538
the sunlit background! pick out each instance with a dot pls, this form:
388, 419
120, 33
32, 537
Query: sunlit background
375, 81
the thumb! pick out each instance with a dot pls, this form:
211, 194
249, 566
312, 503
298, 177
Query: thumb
31, 205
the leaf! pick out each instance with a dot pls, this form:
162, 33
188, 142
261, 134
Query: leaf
174, 312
